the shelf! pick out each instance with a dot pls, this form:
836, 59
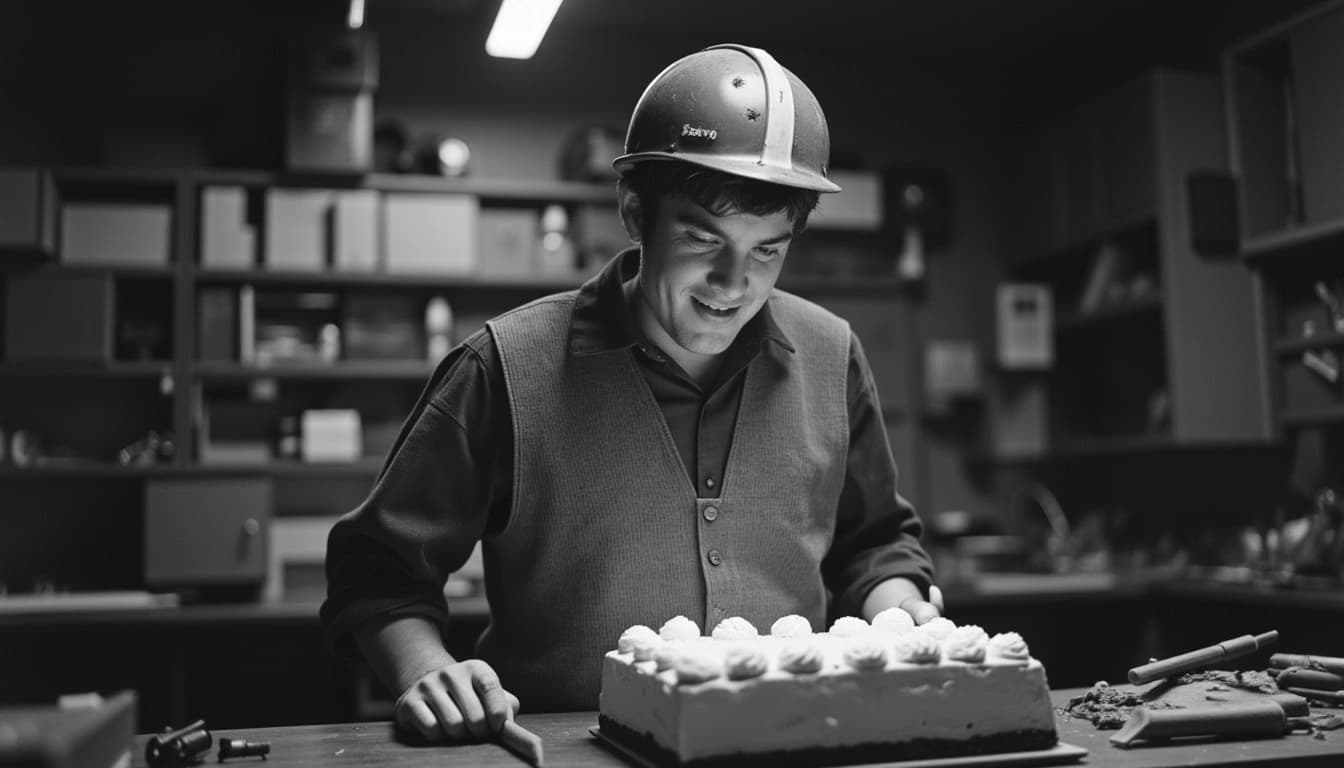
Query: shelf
96, 470
1286, 347
1307, 417
1273, 249
540, 190
116, 370
112, 270
379, 279
1108, 313
389, 370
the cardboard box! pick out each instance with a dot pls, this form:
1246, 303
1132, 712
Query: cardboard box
58, 317
331, 435
217, 324
857, 206
355, 243
508, 241
296, 229
27, 211
227, 240
430, 233
116, 234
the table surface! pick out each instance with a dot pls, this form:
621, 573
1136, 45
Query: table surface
567, 742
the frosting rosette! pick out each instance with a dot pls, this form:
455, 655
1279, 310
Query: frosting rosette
917, 648
938, 628
865, 653
696, 665
627, 642
644, 648
1009, 646
792, 625
849, 626
894, 620
801, 657
734, 628
966, 643
745, 661
679, 628
665, 654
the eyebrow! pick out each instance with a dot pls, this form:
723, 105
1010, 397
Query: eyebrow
694, 219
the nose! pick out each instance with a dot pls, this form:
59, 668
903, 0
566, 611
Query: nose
728, 273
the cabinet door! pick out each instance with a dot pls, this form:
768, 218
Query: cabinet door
206, 531
1318, 69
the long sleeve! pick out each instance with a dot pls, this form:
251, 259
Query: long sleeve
438, 493
877, 533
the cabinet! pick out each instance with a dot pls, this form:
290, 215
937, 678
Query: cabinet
1286, 123
1155, 345
172, 381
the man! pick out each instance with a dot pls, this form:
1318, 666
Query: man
673, 438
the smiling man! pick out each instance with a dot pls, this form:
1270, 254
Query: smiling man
675, 437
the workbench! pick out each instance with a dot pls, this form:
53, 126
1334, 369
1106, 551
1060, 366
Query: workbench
567, 743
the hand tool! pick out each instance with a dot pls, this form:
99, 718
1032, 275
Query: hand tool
1274, 716
1198, 659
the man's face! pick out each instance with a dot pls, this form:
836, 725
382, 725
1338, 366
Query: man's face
704, 276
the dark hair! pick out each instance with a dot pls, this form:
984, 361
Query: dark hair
717, 192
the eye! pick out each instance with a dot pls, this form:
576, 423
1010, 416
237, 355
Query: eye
700, 238
765, 254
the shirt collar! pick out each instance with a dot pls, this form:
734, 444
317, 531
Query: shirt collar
602, 320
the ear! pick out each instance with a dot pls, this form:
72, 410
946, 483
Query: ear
632, 212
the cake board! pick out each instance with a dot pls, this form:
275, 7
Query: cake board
1059, 754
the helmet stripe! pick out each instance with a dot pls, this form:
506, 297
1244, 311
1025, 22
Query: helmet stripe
777, 151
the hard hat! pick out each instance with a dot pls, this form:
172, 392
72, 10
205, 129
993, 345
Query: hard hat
711, 108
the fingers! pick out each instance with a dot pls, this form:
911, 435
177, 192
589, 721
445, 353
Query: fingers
936, 597
920, 611
458, 702
498, 704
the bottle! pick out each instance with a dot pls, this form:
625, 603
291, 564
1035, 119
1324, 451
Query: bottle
557, 253
438, 328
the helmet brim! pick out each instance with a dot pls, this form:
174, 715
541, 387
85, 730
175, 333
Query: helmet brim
747, 167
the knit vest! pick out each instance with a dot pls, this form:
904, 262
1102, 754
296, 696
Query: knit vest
606, 530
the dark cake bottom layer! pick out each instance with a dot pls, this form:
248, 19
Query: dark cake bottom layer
915, 749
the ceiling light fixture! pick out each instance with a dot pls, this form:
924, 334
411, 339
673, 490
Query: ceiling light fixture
519, 27
355, 18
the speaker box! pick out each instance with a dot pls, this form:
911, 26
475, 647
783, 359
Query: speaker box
1212, 197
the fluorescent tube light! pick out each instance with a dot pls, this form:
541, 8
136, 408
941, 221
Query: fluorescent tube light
519, 27
355, 18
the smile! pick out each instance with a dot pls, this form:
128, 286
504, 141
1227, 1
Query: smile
713, 309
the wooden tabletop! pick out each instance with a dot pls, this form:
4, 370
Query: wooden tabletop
568, 743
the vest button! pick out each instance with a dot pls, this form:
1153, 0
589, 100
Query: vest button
715, 557
711, 513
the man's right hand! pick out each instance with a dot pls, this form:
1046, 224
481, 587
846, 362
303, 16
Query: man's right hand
461, 701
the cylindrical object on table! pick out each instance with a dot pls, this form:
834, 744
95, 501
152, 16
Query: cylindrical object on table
1326, 663
1329, 697
1248, 719
1201, 658
1310, 678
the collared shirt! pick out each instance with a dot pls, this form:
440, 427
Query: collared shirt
430, 505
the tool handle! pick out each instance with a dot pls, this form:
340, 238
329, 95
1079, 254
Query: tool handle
1250, 719
1310, 678
521, 742
1327, 663
1201, 658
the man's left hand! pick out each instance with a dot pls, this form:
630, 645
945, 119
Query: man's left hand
902, 593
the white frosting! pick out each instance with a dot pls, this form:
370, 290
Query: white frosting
917, 648
966, 643
938, 628
627, 642
894, 620
849, 626
1009, 646
696, 664
792, 625
645, 647
745, 661
679, 628
734, 628
664, 655
801, 656
865, 653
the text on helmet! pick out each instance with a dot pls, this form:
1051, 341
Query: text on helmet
698, 132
